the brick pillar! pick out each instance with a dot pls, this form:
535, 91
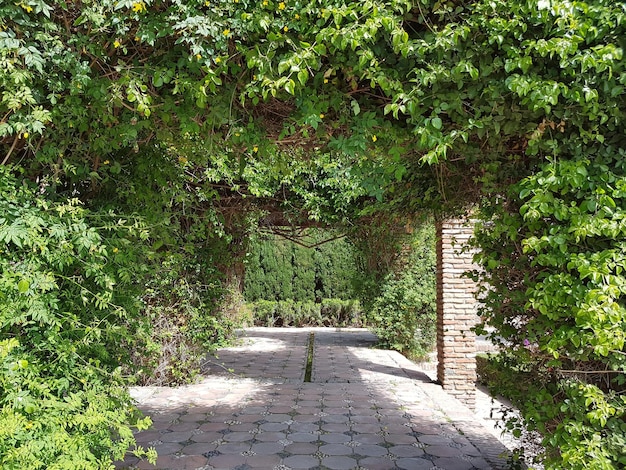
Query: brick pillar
456, 312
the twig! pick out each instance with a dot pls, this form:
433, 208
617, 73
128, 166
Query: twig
590, 372
6, 158
230, 371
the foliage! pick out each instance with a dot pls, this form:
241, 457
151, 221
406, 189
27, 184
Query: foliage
185, 321
329, 109
67, 323
556, 273
403, 314
185, 296
329, 312
278, 269
551, 243
507, 378
84, 101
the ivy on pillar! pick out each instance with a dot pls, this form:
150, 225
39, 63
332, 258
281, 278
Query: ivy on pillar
456, 312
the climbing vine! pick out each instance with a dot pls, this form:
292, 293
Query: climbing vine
67, 324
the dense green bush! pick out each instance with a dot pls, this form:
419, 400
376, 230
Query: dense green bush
329, 312
187, 319
278, 269
69, 315
184, 294
403, 314
554, 259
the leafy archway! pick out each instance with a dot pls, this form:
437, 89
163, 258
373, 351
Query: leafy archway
209, 115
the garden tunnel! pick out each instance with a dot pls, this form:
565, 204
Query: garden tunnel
455, 298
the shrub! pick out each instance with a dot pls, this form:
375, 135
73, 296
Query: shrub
342, 313
553, 256
330, 312
188, 317
264, 313
68, 315
403, 314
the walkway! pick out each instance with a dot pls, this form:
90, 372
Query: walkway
362, 409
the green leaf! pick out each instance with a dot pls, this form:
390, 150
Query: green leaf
356, 108
23, 286
303, 76
290, 87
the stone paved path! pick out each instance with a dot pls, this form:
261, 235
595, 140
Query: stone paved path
364, 408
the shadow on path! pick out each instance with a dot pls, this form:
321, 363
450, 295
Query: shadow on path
363, 409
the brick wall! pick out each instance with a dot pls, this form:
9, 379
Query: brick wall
456, 312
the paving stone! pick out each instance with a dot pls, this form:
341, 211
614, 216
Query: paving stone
272, 427
302, 437
339, 463
264, 461
198, 448
253, 410
406, 451
236, 448
435, 440
277, 418
443, 451
184, 426
219, 418
334, 438
301, 461
482, 464
249, 419
313, 418
308, 404
335, 449
335, 427
281, 410
176, 436
470, 450
307, 409
334, 410
303, 427
213, 427
267, 448
363, 419
301, 448
168, 448
377, 463
227, 460
147, 436
396, 429
453, 463
336, 418
369, 438
427, 429
192, 416
366, 428
245, 427
371, 450
398, 439
270, 436
416, 464
238, 437
168, 418
205, 437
